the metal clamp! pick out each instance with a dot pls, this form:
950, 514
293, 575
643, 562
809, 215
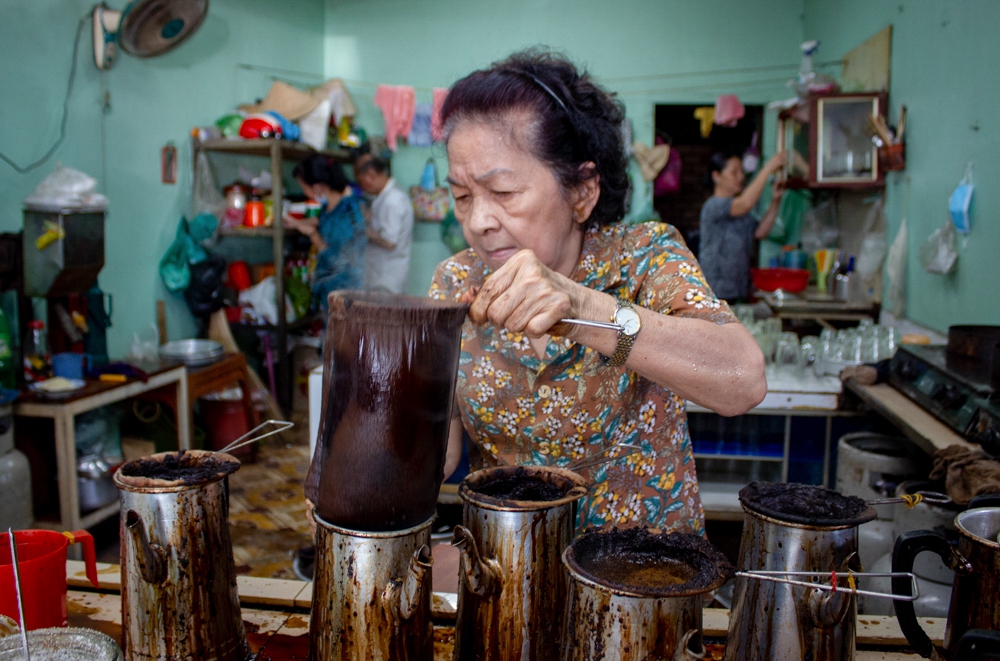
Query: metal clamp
776, 577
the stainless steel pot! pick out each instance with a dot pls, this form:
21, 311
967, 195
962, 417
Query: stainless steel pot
612, 621
776, 620
371, 595
976, 563
179, 598
512, 590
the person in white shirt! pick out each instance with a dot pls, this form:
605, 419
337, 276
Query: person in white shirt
390, 234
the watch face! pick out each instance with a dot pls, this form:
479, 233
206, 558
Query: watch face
628, 319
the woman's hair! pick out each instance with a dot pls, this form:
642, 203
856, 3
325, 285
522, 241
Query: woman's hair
717, 163
319, 169
574, 121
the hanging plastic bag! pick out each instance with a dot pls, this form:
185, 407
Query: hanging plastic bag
451, 234
205, 197
819, 227
433, 204
175, 267
960, 201
669, 178
873, 245
938, 254
895, 267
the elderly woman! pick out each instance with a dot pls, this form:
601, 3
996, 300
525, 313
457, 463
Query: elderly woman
538, 172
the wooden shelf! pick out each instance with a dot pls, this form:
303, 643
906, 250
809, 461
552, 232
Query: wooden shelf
290, 151
260, 232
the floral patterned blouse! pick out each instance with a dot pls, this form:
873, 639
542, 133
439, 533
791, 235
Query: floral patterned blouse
560, 409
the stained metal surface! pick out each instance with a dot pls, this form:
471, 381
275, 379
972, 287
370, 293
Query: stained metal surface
179, 598
371, 595
973, 596
512, 587
780, 621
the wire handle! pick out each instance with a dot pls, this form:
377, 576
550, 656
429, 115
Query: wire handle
776, 577
912, 500
608, 325
17, 587
597, 459
248, 438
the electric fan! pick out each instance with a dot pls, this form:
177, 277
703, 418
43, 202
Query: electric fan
145, 28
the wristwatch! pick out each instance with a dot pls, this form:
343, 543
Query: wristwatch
628, 320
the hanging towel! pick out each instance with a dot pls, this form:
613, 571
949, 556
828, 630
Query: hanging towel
437, 130
705, 115
420, 134
728, 110
397, 104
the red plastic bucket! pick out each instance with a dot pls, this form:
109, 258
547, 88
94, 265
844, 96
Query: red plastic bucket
41, 557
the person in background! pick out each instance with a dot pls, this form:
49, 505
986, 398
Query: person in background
390, 234
728, 228
338, 235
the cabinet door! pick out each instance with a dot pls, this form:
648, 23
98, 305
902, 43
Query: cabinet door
843, 153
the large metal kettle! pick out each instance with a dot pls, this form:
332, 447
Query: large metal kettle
179, 598
976, 563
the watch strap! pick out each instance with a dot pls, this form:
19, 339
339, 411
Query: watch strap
625, 341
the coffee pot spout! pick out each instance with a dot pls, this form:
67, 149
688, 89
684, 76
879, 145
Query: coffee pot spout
152, 557
481, 575
403, 595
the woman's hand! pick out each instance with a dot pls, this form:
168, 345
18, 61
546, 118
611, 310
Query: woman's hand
307, 226
776, 162
525, 296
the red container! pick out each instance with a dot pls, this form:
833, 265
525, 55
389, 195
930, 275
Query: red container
254, 214
790, 280
41, 558
238, 274
226, 420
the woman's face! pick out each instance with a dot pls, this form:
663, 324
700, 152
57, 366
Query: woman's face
729, 180
507, 200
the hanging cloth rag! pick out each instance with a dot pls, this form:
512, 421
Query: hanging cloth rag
728, 110
705, 115
420, 134
397, 105
967, 473
437, 130
650, 159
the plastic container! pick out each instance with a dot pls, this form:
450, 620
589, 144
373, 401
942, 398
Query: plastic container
238, 274
226, 420
42, 562
254, 214
36, 352
790, 280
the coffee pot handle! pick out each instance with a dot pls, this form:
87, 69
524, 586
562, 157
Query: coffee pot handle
986, 500
84, 539
691, 647
978, 645
908, 546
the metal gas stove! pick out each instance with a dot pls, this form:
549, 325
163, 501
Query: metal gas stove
959, 383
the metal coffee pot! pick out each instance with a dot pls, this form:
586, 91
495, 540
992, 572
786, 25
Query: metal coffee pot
976, 563
371, 595
512, 591
179, 598
786, 619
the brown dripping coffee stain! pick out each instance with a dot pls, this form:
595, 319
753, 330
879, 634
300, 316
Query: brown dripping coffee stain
391, 364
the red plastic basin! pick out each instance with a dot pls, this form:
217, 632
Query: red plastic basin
790, 280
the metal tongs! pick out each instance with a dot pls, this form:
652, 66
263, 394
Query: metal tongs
249, 438
17, 586
834, 585
609, 325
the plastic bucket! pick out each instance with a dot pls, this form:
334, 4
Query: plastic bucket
42, 562
225, 421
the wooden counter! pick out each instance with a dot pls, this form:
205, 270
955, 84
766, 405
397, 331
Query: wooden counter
276, 617
913, 421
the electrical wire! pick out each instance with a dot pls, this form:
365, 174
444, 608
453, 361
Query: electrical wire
65, 115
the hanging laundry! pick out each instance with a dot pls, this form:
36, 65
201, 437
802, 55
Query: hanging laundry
650, 159
437, 130
728, 110
705, 115
420, 134
397, 105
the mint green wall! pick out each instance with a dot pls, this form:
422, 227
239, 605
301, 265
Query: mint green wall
151, 101
434, 42
944, 59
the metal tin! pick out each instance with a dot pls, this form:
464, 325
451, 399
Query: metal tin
371, 595
179, 598
781, 621
512, 593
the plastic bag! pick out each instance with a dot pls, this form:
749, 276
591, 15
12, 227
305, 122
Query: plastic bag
938, 254
873, 246
451, 234
204, 294
960, 201
206, 198
175, 267
145, 344
895, 267
66, 188
262, 299
819, 227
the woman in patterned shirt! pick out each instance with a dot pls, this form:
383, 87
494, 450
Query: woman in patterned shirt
538, 172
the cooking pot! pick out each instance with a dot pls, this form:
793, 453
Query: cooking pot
516, 522
976, 563
638, 594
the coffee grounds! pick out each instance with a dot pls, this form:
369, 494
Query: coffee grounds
521, 487
640, 561
805, 504
183, 467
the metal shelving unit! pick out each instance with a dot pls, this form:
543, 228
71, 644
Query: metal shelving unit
277, 152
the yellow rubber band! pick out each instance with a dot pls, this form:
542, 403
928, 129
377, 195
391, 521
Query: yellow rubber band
851, 582
70, 536
912, 500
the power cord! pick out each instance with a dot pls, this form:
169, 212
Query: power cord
65, 116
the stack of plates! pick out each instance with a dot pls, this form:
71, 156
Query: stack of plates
193, 353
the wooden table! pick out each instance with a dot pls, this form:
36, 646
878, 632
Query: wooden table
916, 423
93, 396
819, 307
276, 618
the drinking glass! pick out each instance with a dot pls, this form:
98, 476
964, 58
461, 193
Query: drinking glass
788, 355
810, 348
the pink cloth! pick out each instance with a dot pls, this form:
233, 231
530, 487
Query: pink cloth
397, 105
437, 130
728, 110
